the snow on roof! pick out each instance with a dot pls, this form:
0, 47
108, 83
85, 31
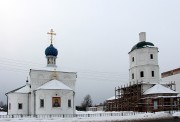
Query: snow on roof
25, 89
54, 84
50, 69
158, 88
111, 98
159, 97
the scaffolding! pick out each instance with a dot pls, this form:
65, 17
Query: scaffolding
130, 98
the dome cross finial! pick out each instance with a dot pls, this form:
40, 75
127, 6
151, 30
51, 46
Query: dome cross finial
51, 33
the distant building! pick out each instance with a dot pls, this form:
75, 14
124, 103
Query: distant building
144, 93
172, 76
91, 109
96, 108
49, 90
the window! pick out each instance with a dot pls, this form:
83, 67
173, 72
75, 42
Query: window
41, 103
9, 106
69, 103
141, 74
152, 73
151, 56
20, 106
132, 75
132, 59
155, 105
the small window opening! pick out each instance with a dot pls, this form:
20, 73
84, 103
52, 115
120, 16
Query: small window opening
69, 103
141, 74
41, 103
132, 75
152, 73
151, 56
132, 59
20, 106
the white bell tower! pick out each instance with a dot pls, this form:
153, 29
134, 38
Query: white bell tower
143, 59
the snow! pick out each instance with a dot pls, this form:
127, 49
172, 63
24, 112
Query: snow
159, 89
111, 98
51, 69
143, 116
25, 89
3, 113
177, 114
54, 84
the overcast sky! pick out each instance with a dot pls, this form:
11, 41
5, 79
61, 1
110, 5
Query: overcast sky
93, 39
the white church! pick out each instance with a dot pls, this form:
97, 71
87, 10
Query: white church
49, 90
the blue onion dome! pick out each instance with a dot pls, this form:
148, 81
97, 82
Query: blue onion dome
51, 51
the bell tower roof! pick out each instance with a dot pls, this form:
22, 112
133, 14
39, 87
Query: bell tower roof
142, 42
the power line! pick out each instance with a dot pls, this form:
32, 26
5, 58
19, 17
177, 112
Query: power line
23, 66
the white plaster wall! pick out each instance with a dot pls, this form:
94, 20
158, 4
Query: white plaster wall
40, 77
47, 96
147, 69
32, 103
173, 78
142, 62
14, 99
142, 56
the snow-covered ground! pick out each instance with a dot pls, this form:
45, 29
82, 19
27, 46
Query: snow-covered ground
3, 113
177, 114
144, 116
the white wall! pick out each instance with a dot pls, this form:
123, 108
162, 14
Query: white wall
147, 69
14, 99
173, 78
40, 77
142, 56
47, 96
146, 87
143, 62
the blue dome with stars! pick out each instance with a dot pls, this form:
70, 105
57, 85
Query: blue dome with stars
51, 51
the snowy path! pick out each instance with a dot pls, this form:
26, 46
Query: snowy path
146, 116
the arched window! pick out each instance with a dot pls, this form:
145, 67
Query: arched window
152, 73
132, 75
132, 59
151, 56
141, 74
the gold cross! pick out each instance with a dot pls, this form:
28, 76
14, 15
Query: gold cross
51, 33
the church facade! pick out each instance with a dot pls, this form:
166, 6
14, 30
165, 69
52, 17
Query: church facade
49, 91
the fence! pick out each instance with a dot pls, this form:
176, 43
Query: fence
79, 115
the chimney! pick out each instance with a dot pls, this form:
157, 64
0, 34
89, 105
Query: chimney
142, 36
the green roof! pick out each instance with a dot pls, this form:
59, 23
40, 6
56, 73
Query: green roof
141, 45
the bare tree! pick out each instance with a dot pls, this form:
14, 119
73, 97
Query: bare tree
87, 102
1, 104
